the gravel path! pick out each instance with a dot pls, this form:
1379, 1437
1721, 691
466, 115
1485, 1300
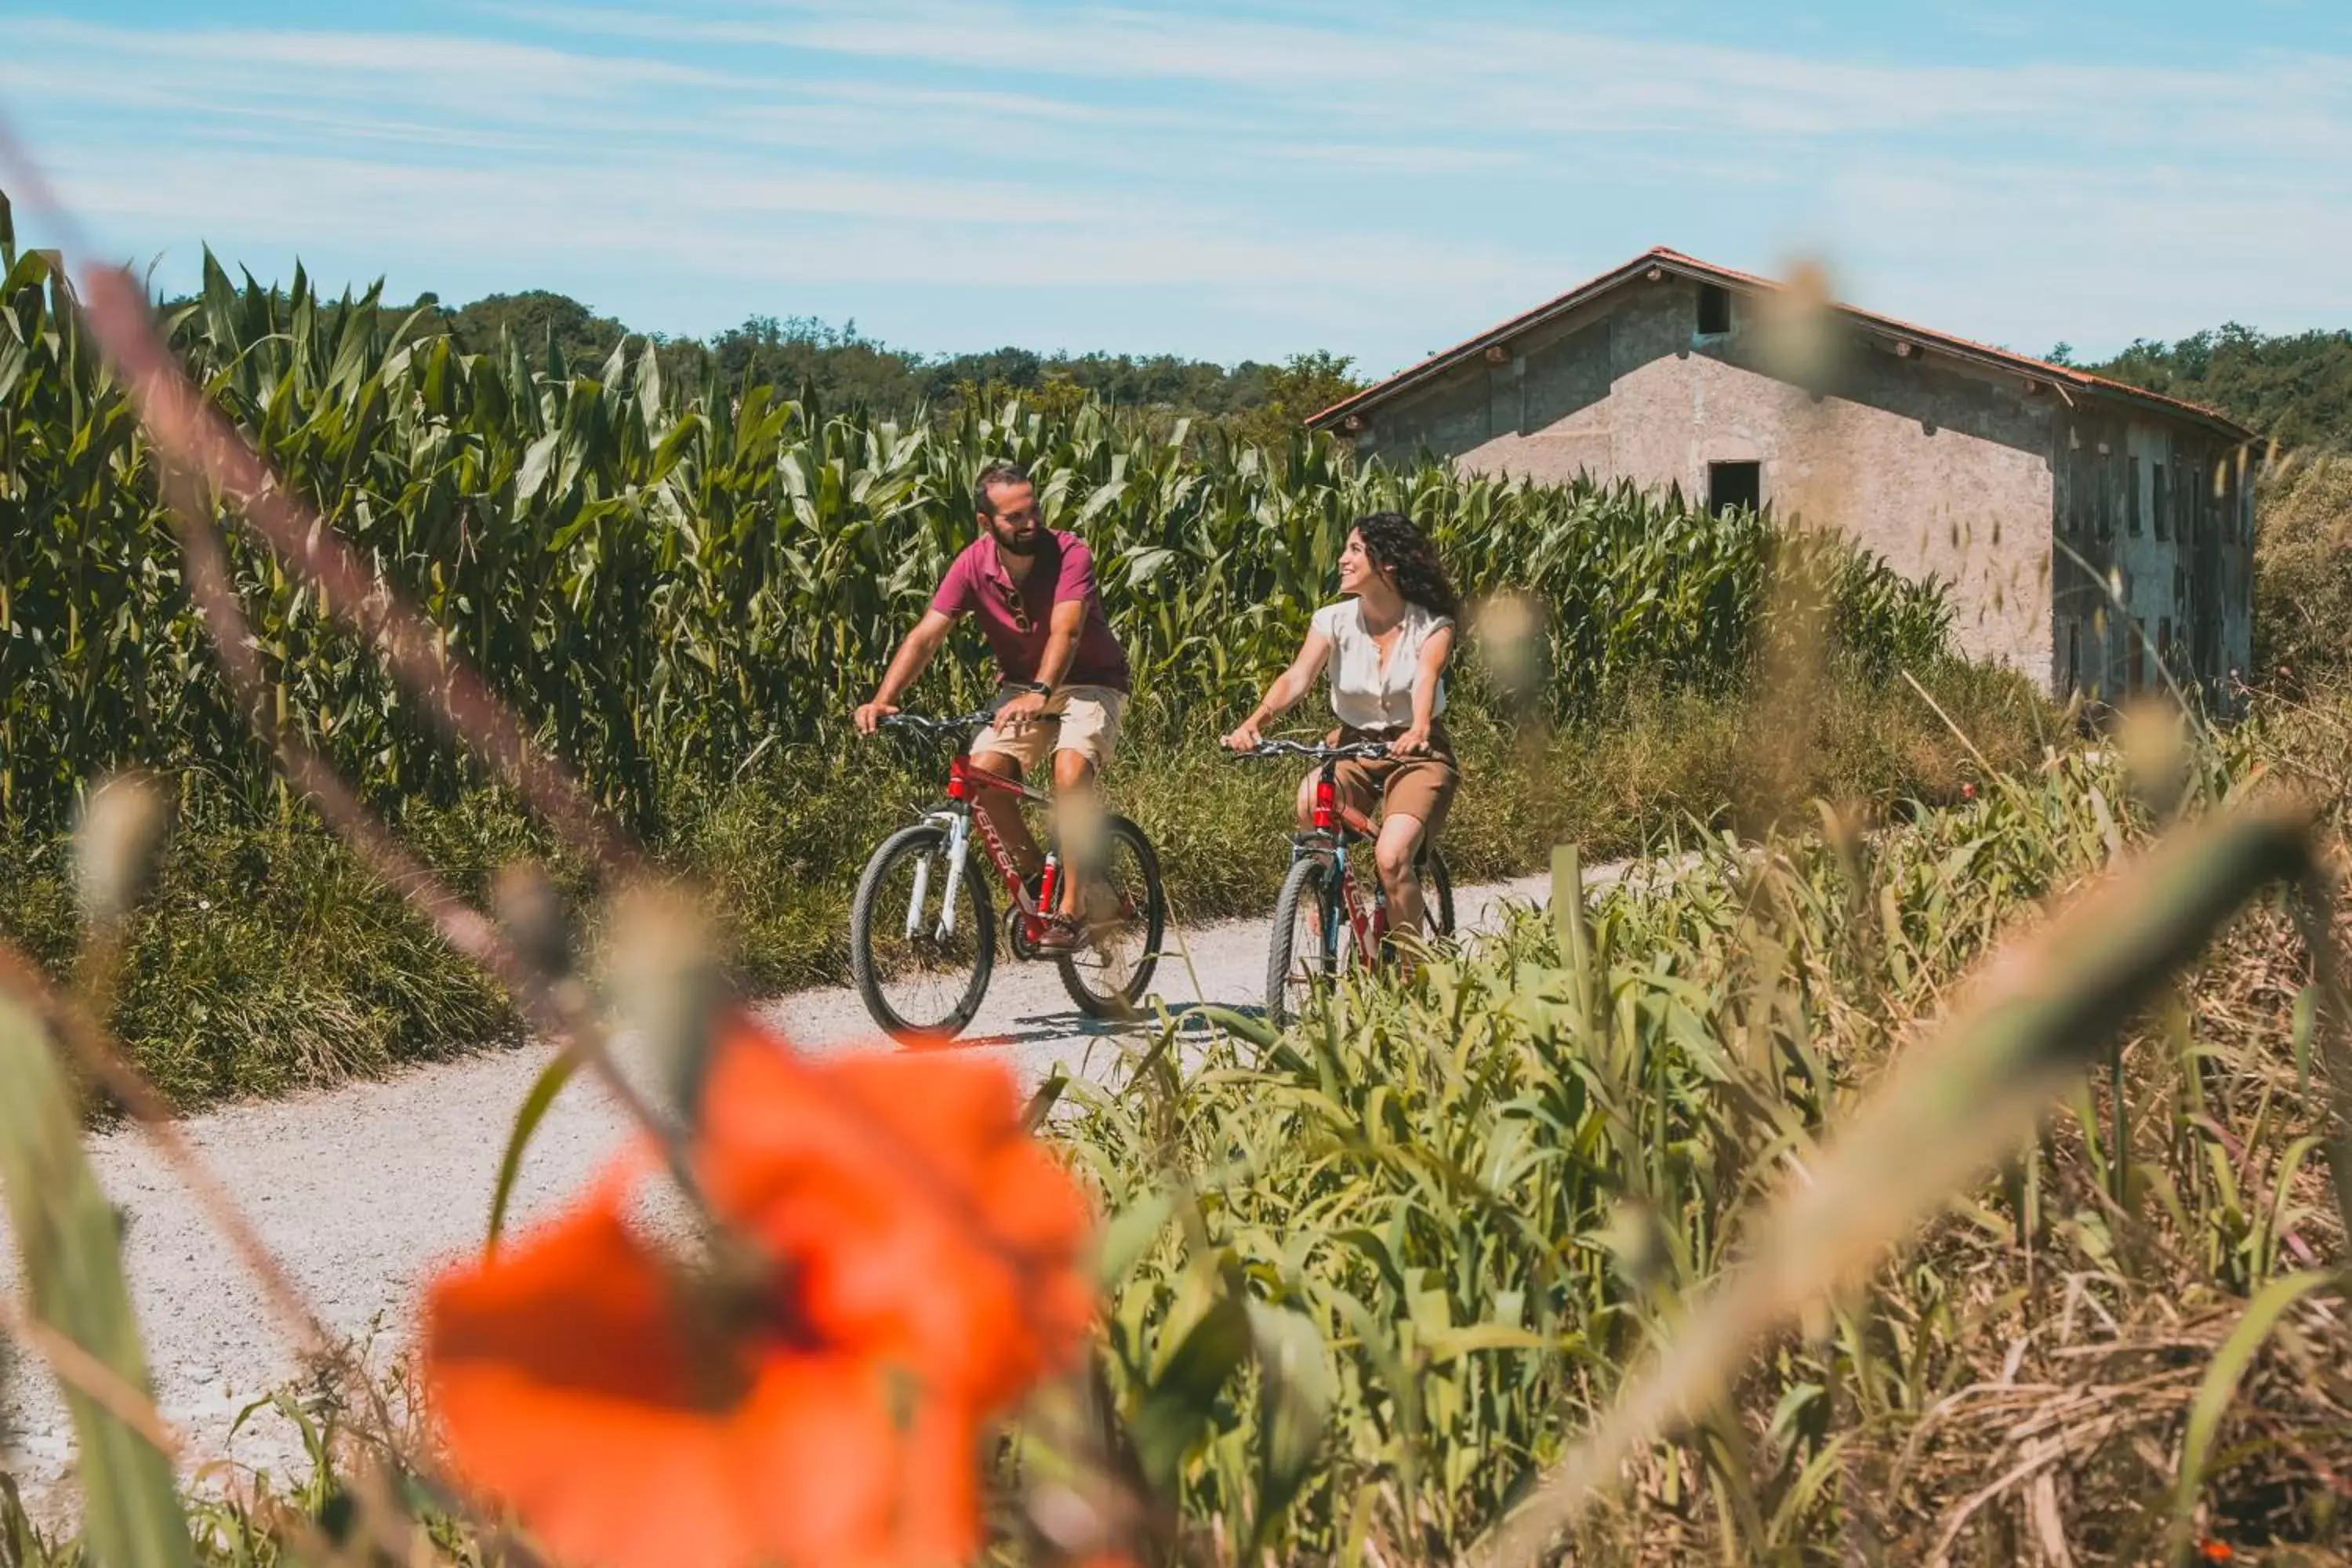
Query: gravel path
361, 1191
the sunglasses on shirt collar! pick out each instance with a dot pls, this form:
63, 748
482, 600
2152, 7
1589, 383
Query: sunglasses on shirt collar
1020, 612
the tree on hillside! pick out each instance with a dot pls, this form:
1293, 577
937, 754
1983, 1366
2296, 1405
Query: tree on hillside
1307, 385
844, 368
2296, 389
583, 338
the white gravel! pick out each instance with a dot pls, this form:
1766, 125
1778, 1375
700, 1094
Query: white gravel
363, 1190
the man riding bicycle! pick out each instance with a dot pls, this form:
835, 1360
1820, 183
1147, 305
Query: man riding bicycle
1062, 675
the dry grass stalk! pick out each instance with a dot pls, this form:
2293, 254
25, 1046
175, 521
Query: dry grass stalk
2036, 1011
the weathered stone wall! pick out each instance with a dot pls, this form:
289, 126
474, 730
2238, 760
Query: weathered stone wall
1940, 467
2154, 560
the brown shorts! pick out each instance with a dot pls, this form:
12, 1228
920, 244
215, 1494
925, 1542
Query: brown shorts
1403, 786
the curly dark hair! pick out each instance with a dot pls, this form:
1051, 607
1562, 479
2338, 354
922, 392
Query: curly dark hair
1395, 542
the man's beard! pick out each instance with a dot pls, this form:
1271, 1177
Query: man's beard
1014, 545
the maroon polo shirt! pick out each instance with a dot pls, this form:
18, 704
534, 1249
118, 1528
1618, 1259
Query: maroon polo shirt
1061, 569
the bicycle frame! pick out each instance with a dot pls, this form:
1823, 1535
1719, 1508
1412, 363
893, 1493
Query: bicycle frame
967, 782
1335, 828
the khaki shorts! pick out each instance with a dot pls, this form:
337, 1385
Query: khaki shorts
1406, 786
1081, 718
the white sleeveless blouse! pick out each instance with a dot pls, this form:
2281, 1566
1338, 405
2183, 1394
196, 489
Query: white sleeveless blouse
1363, 695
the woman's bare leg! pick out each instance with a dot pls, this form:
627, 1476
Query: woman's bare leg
1393, 854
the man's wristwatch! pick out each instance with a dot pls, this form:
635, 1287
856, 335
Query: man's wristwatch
1039, 687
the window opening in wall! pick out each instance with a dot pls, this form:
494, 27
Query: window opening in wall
2135, 657
1714, 310
2131, 495
2158, 498
2073, 681
1733, 486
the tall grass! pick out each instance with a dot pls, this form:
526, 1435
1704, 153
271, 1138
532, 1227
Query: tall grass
1455, 1216
1493, 1193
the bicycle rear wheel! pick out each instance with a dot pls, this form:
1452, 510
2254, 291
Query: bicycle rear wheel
1127, 917
920, 987
1303, 956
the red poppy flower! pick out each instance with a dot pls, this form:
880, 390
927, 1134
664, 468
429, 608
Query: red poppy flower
915, 1268
920, 1219
577, 1377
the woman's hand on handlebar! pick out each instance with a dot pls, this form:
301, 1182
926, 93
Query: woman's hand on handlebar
869, 716
1244, 737
1412, 743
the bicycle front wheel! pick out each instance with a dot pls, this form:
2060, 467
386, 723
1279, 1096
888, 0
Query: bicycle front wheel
1304, 955
1126, 916
921, 986
1436, 895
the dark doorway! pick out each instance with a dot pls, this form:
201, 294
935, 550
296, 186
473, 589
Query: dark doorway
1732, 485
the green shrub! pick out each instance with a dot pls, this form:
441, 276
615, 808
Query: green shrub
2303, 575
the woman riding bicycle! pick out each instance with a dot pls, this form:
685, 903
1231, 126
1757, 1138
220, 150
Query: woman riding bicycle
1391, 637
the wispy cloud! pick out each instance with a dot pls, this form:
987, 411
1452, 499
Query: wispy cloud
1367, 176
1358, 157
1433, 67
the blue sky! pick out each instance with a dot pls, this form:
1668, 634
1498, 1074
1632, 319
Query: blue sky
1223, 179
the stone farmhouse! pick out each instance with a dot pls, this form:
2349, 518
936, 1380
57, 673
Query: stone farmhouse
2087, 530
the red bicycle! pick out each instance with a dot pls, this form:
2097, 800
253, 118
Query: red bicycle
1324, 925
923, 930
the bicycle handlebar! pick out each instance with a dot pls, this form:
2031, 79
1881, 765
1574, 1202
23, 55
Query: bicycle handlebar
965, 723
1317, 752
926, 726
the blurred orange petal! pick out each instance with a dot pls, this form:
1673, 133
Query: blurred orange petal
923, 1223
916, 1261
574, 1380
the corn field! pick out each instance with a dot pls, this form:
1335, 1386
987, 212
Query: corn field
669, 581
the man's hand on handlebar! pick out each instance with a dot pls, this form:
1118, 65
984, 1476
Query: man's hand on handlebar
1244, 737
869, 716
1018, 712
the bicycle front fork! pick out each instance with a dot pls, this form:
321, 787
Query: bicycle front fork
959, 851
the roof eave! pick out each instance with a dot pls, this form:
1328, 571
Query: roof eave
1668, 260
1445, 359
